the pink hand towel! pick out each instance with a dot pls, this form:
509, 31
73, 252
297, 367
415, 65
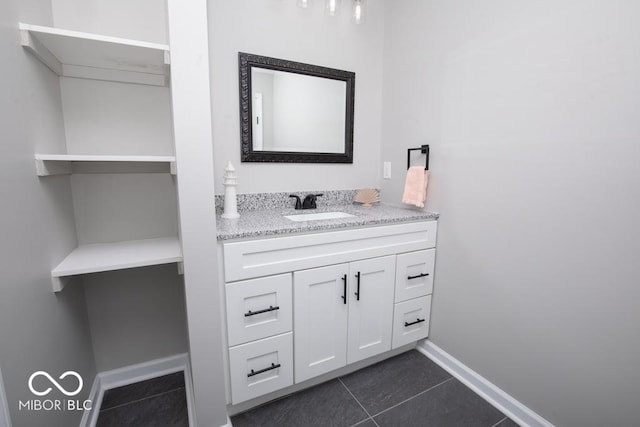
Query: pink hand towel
415, 186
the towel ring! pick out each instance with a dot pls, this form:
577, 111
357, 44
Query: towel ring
424, 149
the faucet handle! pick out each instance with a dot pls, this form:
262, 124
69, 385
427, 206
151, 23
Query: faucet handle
298, 203
310, 201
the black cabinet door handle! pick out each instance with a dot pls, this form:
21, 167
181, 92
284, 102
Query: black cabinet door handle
357, 293
419, 275
273, 366
344, 289
413, 323
266, 310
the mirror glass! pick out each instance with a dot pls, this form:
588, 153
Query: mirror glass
294, 112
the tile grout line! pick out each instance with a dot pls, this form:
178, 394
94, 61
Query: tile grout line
140, 400
498, 423
414, 396
362, 422
358, 402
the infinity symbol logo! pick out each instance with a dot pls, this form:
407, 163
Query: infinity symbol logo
55, 383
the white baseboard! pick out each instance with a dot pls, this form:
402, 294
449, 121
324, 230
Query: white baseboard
188, 386
483, 387
90, 417
133, 374
5, 419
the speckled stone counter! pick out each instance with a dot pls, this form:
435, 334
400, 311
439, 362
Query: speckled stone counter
267, 222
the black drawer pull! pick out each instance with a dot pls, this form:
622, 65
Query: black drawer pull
413, 323
273, 366
419, 275
344, 289
357, 292
266, 310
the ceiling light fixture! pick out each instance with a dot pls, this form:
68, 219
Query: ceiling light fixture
358, 11
332, 7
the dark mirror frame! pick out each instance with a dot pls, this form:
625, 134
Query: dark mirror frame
246, 62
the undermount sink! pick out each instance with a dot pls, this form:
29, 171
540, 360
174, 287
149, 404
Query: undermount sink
318, 216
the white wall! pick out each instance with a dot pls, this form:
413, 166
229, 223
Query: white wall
136, 315
531, 113
189, 32
139, 20
279, 29
128, 119
38, 330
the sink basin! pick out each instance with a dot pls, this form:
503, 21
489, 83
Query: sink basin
318, 216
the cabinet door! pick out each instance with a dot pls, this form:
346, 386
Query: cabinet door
320, 320
371, 290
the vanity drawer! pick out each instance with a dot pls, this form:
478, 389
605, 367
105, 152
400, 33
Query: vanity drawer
261, 367
414, 274
258, 308
264, 257
411, 321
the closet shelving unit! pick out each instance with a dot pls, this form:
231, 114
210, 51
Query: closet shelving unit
97, 57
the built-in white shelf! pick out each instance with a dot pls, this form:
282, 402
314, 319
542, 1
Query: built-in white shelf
59, 164
92, 56
95, 258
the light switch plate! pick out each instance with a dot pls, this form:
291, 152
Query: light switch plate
386, 170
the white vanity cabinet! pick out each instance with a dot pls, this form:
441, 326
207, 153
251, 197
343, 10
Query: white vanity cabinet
303, 305
343, 314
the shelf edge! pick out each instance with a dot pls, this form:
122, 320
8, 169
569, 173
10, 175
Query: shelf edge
171, 255
62, 164
103, 158
125, 266
92, 36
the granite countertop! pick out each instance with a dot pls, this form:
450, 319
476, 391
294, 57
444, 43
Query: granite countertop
267, 222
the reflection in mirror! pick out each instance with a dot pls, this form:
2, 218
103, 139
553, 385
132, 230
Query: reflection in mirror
294, 112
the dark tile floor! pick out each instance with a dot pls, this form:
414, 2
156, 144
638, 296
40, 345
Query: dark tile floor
406, 390
157, 402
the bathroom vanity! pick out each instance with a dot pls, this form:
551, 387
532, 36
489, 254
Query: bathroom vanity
306, 298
